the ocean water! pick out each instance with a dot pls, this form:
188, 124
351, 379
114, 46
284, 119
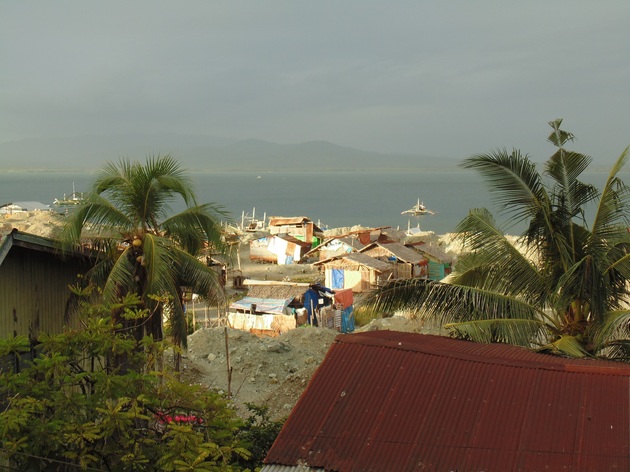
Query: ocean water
332, 199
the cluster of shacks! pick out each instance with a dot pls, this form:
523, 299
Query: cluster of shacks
35, 277
286, 241
359, 260
351, 263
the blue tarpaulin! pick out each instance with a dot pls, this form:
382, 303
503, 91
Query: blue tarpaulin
347, 320
263, 305
337, 279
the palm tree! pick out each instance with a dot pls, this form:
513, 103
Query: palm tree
562, 286
147, 251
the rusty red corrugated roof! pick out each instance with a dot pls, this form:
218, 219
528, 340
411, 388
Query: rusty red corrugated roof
386, 400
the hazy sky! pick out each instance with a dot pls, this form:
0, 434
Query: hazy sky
450, 78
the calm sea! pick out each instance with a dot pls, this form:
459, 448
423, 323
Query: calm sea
334, 199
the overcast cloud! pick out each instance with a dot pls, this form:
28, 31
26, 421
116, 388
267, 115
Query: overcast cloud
446, 78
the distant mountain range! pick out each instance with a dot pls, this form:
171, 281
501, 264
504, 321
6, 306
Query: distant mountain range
204, 153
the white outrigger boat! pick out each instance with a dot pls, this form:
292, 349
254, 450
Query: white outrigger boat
75, 198
418, 210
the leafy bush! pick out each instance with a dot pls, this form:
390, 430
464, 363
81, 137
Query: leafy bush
258, 434
75, 406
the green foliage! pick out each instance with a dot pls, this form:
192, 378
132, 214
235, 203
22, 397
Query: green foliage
143, 248
74, 408
562, 287
258, 434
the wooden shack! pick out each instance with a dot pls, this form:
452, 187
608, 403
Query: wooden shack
407, 262
268, 308
337, 246
281, 249
439, 262
300, 227
34, 284
348, 242
355, 271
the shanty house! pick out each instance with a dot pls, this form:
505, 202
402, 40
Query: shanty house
336, 247
300, 227
355, 271
346, 243
279, 249
439, 262
408, 263
393, 401
34, 280
268, 308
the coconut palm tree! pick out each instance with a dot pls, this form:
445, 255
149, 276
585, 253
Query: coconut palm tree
562, 286
146, 250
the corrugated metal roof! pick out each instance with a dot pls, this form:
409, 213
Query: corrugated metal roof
399, 250
33, 242
433, 251
361, 259
291, 221
386, 400
367, 261
288, 468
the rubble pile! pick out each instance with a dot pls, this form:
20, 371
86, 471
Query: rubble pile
271, 371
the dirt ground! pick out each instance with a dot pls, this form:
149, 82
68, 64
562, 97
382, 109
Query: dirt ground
266, 371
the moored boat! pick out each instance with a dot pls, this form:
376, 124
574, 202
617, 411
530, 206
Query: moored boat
75, 198
418, 210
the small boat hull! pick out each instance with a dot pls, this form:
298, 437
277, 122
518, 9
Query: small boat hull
418, 210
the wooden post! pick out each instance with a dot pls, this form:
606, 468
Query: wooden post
238, 255
194, 317
227, 362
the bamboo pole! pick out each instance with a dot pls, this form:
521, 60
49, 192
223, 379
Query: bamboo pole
229, 366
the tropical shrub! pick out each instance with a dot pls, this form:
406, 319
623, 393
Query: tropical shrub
72, 408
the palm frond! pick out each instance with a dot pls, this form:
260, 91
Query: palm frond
513, 181
120, 278
96, 216
571, 195
170, 177
162, 286
178, 323
200, 278
615, 327
618, 350
559, 137
449, 303
614, 202
495, 263
566, 345
161, 273
519, 332
621, 265
194, 226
